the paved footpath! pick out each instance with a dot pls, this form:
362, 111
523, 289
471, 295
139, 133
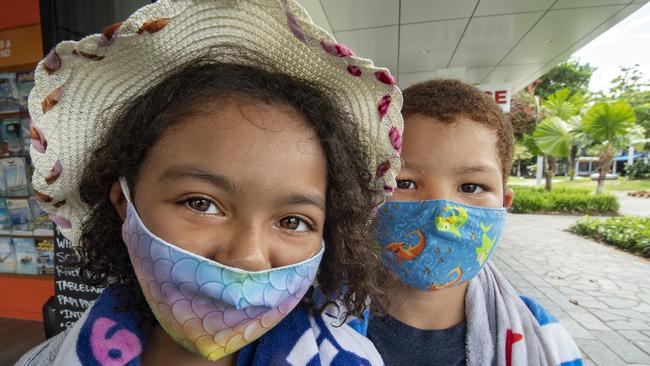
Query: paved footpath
633, 205
600, 294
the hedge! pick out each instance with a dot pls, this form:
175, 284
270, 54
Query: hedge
629, 232
563, 200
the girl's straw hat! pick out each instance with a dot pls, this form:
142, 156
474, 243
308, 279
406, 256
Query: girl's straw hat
80, 85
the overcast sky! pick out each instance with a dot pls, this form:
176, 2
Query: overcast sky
625, 44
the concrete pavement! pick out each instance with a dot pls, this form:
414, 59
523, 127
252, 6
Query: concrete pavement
599, 293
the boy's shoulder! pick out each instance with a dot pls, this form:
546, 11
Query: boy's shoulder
557, 338
542, 316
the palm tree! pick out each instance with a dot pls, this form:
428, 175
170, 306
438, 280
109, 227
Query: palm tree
553, 138
609, 125
563, 104
579, 141
554, 135
520, 154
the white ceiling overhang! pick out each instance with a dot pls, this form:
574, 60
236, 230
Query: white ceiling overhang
479, 41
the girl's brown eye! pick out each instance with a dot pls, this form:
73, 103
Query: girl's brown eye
295, 223
202, 205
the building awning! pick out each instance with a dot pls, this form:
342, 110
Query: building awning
625, 157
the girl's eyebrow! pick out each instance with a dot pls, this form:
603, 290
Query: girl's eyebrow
302, 199
181, 172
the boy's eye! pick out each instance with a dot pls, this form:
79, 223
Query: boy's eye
471, 188
295, 223
203, 206
405, 184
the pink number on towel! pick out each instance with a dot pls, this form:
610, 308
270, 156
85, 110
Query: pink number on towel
122, 347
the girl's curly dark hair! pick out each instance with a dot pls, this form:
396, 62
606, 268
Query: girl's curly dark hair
350, 260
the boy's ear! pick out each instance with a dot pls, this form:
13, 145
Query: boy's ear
508, 197
118, 200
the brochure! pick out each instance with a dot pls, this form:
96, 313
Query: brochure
15, 176
45, 250
24, 85
5, 218
26, 256
4, 146
7, 256
3, 183
42, 224
12, 136
8, 93
21, 216
27, 139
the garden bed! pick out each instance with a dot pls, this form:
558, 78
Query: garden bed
628, 232
620, 184
639, 194
563, 200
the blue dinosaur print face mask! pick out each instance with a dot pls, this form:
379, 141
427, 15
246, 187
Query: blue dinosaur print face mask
437, 244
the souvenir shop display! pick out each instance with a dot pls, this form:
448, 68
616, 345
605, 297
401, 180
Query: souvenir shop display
26, 233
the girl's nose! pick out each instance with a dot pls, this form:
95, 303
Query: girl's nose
248, 249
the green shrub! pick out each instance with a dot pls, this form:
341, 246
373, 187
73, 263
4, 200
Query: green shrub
529, 201
604, 203
629, 232
563, 200
638, 170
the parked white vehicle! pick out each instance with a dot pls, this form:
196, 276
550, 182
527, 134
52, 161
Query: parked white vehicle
608, 176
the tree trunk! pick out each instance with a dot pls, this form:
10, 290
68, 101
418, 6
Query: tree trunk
572, 162
549, 171
605, 161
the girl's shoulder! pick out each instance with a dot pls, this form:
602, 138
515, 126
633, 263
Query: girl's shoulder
45, 353
100, 324
305, 338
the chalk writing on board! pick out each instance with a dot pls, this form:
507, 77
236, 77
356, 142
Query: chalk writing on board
72, 295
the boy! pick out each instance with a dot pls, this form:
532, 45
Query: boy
450, 305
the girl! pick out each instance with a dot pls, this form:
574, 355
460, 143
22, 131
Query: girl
210, 160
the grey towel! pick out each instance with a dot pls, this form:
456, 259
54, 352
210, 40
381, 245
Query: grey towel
503, 330
43, 354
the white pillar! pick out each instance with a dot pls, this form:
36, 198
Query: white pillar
614, 167
576, 169
540, 170
630, 155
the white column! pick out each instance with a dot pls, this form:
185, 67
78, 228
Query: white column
630, 155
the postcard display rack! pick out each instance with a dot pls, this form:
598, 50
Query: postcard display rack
30, 245
26, 234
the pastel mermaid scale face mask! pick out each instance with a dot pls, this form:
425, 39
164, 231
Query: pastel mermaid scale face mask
210, 308
437, 244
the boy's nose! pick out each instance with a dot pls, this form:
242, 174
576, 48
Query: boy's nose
247, 249
437, 192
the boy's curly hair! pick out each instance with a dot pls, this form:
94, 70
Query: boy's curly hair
446, 100
350, 260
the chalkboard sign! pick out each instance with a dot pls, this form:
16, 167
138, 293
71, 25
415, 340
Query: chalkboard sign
72, 295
